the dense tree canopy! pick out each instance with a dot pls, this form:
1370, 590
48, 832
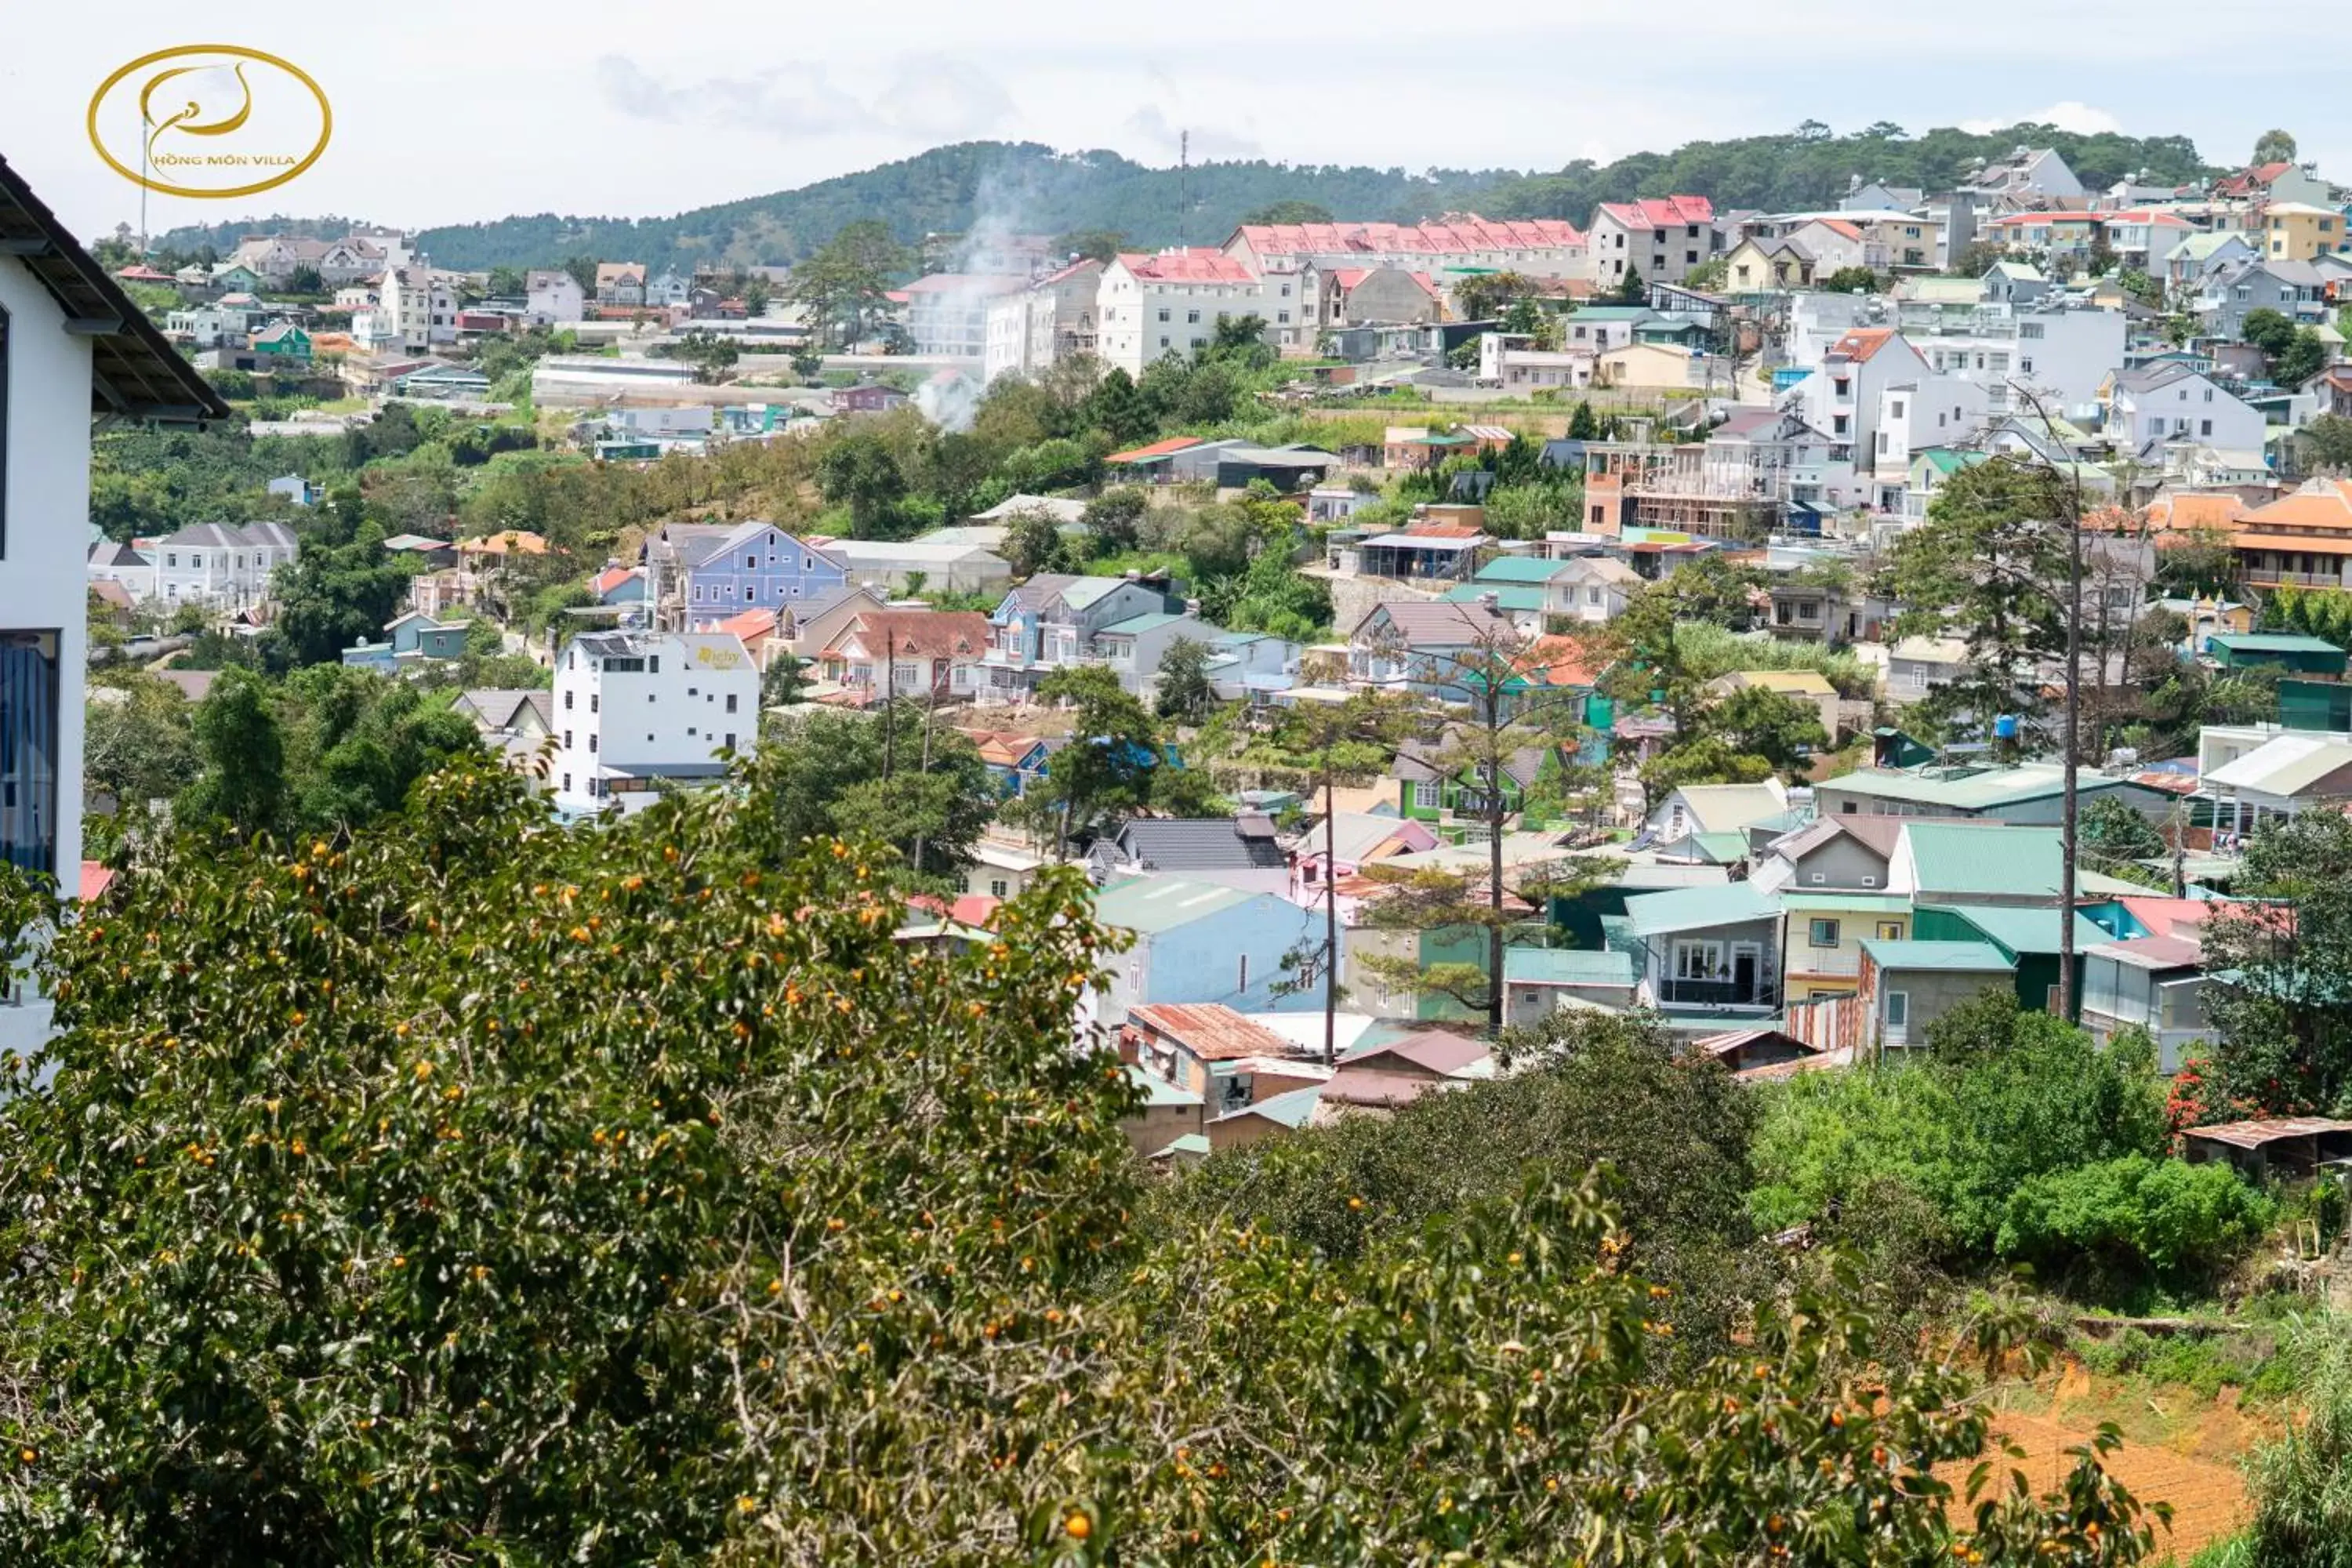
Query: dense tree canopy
473, 1190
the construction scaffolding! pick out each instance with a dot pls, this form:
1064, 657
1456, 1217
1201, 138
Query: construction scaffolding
1716, 490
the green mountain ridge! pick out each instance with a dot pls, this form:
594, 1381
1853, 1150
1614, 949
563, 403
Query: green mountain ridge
1031, 188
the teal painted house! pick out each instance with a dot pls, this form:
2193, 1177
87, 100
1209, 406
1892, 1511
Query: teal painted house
2028, 937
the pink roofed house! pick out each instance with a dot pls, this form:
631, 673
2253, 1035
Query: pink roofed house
1662, 238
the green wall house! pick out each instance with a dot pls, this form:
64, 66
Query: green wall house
285, 341
2028, 937
2295, 653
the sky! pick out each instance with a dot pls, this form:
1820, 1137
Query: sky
447, 110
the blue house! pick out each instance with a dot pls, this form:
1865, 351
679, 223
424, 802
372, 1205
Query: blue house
724, 569
417, 635
1199, 942
1053, 620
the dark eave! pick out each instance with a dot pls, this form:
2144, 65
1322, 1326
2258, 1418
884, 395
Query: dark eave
134, 372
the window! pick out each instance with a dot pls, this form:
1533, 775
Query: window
1898, 1009
1869, 879
1822, 934
592, 702
2029, 329
2204, 427
592, 744
1890, 930
567, 701
729, 742
567, 783
1163, 312
567, 739
730, 702
1898, 408
1242, 984
1818, 878
1690, 258
29, 751
1698, 959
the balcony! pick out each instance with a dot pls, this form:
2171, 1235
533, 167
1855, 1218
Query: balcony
2270, 577
1825, 961
1720, 995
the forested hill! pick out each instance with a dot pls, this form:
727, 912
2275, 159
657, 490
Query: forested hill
1026, 187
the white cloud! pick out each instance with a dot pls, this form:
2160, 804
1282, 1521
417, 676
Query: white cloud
784, 101
941, 97
2071, 115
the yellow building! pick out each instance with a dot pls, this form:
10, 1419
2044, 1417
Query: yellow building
1820, 951
2296, 231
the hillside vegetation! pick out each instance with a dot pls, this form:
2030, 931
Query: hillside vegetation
1032, 188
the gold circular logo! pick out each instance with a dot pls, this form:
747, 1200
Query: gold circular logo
210, 121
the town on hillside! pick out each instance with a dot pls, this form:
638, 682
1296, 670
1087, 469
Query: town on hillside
1848, 706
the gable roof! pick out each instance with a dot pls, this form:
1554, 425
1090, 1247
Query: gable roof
2027, 930
1959, 859
1211, 1031
1454, 233
1421, 623
920, 634
1863, 343
1199, 264
133, 370
1718, 808
1661, 211
1201, 843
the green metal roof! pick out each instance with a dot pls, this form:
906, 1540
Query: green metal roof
1848, 903
1567, 966
1294, 1109
2022, 931
1963, 791
1158, 1091
1148, 905
1508, 597
1962, 858
1723, 848
1521, 569
1953, 957
1191, 1143
1694, 909
2271, 642
1947, 460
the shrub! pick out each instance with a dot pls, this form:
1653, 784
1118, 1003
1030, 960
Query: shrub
2176, 1223
2301, 1485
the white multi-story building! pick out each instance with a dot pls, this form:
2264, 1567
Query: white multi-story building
417, 309
2150, 408
1050, 320
219, 564
948, 313
70, 344
1170, 303
552, 296
1279, 253
638, 709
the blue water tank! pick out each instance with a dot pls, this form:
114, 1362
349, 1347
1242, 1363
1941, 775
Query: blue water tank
2004, 727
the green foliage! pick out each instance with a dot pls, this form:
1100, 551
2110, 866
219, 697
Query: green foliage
2175, 1222
2276, 988
894, 775
841, 288
1595, 1088
1114, 518
945, 190
1783, 730
2327, 440
710, 353
2113, 828
1851, 280
137, 742
1289, 211
2301, 1483
2267, 330
1034, 543
1991, 569
1107, 774
1183, 693
324, 750
474, 1189
2006, 1096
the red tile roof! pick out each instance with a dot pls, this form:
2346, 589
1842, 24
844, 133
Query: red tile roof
920, 634
612, 577
1158, 448
1200, 264
1860, 344
1661, 211
749, 623
1454, 233
96, 877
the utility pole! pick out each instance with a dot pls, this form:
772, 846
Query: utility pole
1184, 172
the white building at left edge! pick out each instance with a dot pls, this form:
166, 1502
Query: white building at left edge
73, 349
638, 712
